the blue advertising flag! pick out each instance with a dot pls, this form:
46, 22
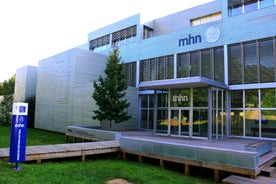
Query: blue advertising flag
18, 132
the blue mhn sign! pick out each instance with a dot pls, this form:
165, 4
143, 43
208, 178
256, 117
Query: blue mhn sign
18, 132
189, 40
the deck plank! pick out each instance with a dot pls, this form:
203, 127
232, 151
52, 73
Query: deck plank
43, 152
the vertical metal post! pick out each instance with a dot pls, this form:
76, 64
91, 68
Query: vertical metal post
210, 109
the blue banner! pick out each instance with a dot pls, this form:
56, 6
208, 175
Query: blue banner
18, 132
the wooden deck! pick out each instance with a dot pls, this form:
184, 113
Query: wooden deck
39, 153
229, 155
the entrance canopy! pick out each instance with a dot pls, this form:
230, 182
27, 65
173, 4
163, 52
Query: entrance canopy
181, 83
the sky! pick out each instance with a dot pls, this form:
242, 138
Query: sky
32, 30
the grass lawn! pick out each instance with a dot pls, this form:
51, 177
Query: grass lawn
34, 137
96, 170
93, 171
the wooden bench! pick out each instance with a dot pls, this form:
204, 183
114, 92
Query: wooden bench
255, 130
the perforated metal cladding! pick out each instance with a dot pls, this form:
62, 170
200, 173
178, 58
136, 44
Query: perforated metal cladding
99, 42
130, 73
157, 68
124, 34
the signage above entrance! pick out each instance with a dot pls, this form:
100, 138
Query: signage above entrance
211, 35
189, 40
180, 98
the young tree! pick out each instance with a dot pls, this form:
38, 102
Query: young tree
8, 86
109, 92
6, 109
7, 90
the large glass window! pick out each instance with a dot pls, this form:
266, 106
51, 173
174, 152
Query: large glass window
146, 111
237, 122
130, 73
251, 98
237, 99
162, 111
250, 62
200, 97
255, 119
268, 98
194, 64
219, 64
237, 7
267, 61
268, 122
206, 19
206, 64
235, 64
183, 65
157, 68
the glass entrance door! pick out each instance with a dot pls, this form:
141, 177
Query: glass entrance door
180, 122
218, 113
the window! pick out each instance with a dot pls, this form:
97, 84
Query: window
206, 19
237, 7
147, 33
130, 73
98, 43
267, 61
124, 35
157, 68
252, 62
194, 64
207, 63
183, 65
235, 64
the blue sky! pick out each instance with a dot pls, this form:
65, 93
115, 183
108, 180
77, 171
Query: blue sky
32, 30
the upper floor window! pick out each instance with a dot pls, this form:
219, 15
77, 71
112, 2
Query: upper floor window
237, 7
99, 43
124, 35
147, 32
130, 73
206, 19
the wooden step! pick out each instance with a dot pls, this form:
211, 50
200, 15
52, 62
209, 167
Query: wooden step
233, 179
261, 147
268, 171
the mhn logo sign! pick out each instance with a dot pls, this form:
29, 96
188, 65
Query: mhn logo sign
180, 98
211, 35
189, 40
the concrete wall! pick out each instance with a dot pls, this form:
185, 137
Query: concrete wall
64, 89
25, 83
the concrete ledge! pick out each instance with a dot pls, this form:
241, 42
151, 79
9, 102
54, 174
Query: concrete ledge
260, 147
234, 158
92, 133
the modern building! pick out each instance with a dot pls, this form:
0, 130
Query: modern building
208, 72
25, 83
